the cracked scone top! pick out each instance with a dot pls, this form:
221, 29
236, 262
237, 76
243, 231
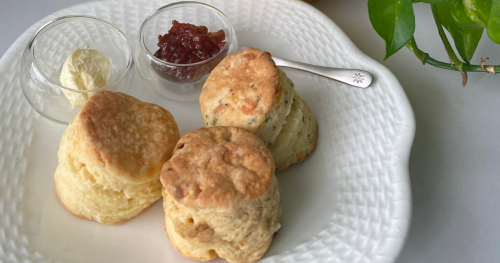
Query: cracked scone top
221, 197
218, 167
247, 90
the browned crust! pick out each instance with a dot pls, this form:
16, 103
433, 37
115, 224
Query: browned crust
246, 84
130, 138
92, 219
223, 167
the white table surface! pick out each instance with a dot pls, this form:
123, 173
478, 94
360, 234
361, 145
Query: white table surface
455, 160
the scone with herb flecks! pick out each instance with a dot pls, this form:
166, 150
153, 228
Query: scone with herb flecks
249, 91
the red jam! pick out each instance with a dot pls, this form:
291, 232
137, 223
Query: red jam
187, 44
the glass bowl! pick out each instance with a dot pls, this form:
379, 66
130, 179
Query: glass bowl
163, 77
49, 48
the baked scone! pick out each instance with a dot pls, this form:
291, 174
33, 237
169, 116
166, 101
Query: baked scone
111, 156
220, 195
298, 137
247, 90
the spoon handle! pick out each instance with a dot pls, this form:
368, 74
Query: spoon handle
354, 77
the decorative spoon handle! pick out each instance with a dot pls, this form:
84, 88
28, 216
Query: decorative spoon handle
354, 77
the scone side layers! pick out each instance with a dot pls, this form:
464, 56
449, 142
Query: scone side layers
84, 198
240, 236
298, 138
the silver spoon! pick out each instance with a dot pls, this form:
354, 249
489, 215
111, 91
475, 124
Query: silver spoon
354, 77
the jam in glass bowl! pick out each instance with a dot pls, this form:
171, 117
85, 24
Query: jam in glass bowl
179, 45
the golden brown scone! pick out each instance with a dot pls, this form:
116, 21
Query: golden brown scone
247, 90
297, 140
111, 155
220, 195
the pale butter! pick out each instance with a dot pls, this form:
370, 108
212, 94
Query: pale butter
84, 69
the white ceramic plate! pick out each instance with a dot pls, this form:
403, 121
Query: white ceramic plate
349, 202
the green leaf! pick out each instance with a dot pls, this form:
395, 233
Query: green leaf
470, 15
478, 10
444, 12
432, 1
394, 21
465, 43
493, 25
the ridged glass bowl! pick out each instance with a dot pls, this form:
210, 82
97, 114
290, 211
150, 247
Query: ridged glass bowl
49, 48
161, 76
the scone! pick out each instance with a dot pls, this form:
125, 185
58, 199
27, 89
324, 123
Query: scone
298, 137
111, 155
249, 91
221, 197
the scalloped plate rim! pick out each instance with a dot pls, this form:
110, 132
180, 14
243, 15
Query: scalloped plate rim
405, 139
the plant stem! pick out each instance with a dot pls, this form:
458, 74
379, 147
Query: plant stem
412, 45
426, 59
453, 57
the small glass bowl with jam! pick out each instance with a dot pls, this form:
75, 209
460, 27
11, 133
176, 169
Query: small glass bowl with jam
179, 45
74, 38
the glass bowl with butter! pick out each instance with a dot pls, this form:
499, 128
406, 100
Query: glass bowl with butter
178, 46
69, 59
